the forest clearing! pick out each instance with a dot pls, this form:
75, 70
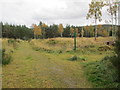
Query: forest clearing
35, 65
59, 44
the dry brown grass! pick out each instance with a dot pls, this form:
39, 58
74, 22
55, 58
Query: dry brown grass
67, 43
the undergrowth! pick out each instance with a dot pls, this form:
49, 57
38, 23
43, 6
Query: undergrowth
102, 74
6, 57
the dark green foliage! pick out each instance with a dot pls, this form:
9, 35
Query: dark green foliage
1, 26
51, 31
75, 58
11, 41
117, 60
25, 33
66, 32
60, 51
18, 31
102, 73
6, 58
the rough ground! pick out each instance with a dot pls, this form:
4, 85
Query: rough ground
37, 69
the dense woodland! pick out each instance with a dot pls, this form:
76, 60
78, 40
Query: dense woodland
52, 31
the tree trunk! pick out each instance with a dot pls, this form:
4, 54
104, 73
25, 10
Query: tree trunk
95, 28
115, 25
112, 27
61, 35
82, 32
75, 40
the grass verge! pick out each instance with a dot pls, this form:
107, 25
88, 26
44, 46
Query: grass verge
102, 74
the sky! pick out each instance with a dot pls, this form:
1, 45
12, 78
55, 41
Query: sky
28, 12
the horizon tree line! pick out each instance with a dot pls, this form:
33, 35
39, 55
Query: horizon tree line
44, 31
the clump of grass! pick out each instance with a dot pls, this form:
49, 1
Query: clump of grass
75, 58
102, 73
43, 49
104, 48
15, 45
13, 42
6, 58
60, 51
29, 40
52, 42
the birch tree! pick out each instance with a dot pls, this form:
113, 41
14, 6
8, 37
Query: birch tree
60, 29
37, 31
113, 11
95, 13
71, 31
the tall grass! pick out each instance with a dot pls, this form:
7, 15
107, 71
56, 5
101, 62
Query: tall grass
9, 45
66, 44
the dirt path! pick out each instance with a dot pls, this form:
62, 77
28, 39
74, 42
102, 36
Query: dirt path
33, 69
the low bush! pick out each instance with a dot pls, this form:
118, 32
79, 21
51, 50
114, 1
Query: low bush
11, 41
6, 58
102, 73
75, 58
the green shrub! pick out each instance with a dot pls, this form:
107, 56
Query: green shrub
102, 73
75, 58
11, 41
6, 58
116, 61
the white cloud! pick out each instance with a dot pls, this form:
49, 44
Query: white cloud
49, 11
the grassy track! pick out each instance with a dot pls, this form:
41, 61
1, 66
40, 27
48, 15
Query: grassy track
33, 69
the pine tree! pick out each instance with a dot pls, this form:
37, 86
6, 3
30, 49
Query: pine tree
43, 26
